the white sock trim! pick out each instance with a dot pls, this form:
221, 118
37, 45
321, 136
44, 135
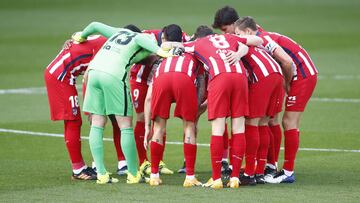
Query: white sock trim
156, 175
271, 166
191, 177
121, 164
288, 173
77, 171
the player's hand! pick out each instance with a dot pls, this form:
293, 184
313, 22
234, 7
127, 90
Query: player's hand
163, 53
77, 37
232, 57
147, 137
202, 108
68, 43
166, 46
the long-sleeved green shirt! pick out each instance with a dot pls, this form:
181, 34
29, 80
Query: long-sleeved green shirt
121, 50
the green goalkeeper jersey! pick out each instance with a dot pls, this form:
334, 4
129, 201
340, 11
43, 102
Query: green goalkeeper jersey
121, 50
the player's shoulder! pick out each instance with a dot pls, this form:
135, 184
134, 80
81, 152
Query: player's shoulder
96, 39
274, 34
153, 31
145, 35
186, 37
231, 36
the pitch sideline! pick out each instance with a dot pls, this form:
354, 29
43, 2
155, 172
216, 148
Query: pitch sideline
168, 142
42, 90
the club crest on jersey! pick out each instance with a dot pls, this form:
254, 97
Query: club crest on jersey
74, 111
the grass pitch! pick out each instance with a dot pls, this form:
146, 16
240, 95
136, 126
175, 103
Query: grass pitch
34, 169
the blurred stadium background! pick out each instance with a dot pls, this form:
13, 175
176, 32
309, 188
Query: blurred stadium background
34, 168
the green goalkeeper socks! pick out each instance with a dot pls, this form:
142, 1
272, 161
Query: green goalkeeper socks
129, 149
97, 148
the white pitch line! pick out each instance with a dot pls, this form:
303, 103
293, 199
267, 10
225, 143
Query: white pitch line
29, 90
335, 100
168, 142
42, 90
339, 77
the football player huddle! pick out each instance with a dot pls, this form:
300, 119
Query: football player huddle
241, 76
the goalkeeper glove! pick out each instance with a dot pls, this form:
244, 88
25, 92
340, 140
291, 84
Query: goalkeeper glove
164, 54
77, 37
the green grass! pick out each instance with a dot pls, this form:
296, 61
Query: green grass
34, 169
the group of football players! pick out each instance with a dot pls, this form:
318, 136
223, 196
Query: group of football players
243, 74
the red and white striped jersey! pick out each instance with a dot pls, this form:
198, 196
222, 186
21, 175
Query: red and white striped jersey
259, 64
304, 65
211, 51
186, 64
143, 73
72, 62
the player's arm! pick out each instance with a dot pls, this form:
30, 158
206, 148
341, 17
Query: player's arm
147, 115
286, 63
150, 45
200, 86
95, 27
202, 108
169, 45
250, 40
232, 57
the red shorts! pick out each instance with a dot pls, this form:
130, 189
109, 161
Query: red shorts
174, 87
266, 96
63, 99
300, 93
138, 95
228, 96
83, 95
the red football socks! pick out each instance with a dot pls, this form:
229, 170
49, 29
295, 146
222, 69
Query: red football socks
216, 152
226, 142
73, 143
277, 135
156, 152
237, 152
263, 149
190, 158
139, 132
117, 142
291, 147
252, 145
271, 153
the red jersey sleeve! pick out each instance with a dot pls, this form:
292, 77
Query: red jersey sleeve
269, 45
189, 47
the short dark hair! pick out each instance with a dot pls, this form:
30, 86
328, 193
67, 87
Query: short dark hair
225, 16
172, 33
246, 22
202, 31
133, 28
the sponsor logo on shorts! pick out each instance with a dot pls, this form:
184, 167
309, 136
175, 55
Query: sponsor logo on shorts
291, 100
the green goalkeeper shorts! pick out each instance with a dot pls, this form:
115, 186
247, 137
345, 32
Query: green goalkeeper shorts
106, 94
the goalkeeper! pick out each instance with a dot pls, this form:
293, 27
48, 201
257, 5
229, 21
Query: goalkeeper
108, 91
